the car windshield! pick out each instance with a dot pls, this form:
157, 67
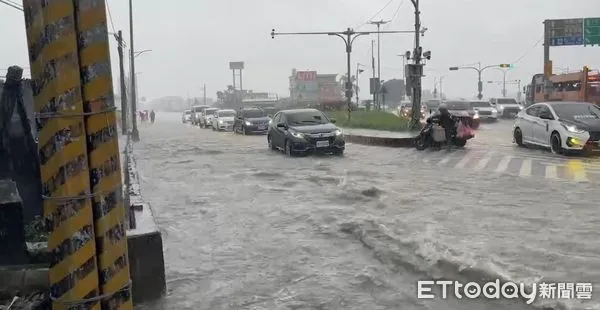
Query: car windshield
307, 118
458, 105
226, 113
576, 111
188, 112
211, 111
254, 113
507, 101
480, 104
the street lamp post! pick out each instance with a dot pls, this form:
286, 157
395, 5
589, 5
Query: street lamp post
348, 36
358, 72
479, 70
503, 81
135, 134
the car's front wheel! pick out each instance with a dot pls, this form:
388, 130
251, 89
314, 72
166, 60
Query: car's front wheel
556, 144
288, 148
518, 136
272, 146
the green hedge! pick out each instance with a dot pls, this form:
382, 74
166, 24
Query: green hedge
370, 120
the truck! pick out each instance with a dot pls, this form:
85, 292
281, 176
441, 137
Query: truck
582, 86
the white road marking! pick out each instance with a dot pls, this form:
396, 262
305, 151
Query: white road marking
526, 168
463, 162
503, 164
552, 172
483, 162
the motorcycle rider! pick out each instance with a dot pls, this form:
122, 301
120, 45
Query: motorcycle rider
446, 120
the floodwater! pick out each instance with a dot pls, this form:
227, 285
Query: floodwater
248, 228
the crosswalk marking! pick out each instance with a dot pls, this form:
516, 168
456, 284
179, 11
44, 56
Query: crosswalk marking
551, 172
503, 164
526, 168
483, 162
463, 162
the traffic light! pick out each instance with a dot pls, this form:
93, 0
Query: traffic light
510, 66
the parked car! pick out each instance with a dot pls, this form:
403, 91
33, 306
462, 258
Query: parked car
464, 111
507, 107
186, 117
207, 117
305, 131
561, 126
197, 113
251, 121
223, 120
485, 110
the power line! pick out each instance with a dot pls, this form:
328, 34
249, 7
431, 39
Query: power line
112, 24
14, 6
529, 51
376, 14
396, 13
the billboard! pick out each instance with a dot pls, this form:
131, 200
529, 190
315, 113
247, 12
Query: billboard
307, 87
236, 65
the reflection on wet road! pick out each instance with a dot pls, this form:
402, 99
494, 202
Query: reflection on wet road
247, 228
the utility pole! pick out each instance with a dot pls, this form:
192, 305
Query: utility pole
348, 37
417, 73
123, 86
204, 91
373, 69
441, 89
135, 134
358, 72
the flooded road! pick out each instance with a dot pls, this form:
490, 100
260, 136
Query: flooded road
248, 228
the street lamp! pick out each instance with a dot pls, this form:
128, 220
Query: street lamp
479, 70
348, 37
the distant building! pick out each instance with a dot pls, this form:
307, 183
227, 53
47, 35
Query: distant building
309, 87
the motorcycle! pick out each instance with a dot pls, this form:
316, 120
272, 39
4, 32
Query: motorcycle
434, 135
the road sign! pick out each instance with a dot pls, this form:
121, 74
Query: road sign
236, 65
563, 32
591, 29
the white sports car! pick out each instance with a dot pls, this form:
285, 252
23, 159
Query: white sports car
561, 126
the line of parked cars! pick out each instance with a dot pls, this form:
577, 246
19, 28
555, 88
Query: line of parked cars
295, 132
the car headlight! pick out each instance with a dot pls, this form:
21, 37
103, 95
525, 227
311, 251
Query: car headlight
220, 121
248, 123
476, 116
520, 107
338, 132
494, 111
298, 135
500, 108
574, 129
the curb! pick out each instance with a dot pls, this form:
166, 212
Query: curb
381, 141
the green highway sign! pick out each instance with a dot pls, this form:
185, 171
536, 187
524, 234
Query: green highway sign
591, 31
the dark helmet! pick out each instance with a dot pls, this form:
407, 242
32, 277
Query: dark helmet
443, 108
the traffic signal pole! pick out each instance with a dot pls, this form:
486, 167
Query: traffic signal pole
348, 36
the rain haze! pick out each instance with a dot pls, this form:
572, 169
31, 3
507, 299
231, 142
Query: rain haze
298, 190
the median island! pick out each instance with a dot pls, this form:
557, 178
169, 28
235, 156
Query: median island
374, 120
376, 128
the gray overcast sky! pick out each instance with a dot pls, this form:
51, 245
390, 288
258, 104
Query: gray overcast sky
193, 40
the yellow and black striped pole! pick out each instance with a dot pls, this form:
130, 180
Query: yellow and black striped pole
103, 152
53, 56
